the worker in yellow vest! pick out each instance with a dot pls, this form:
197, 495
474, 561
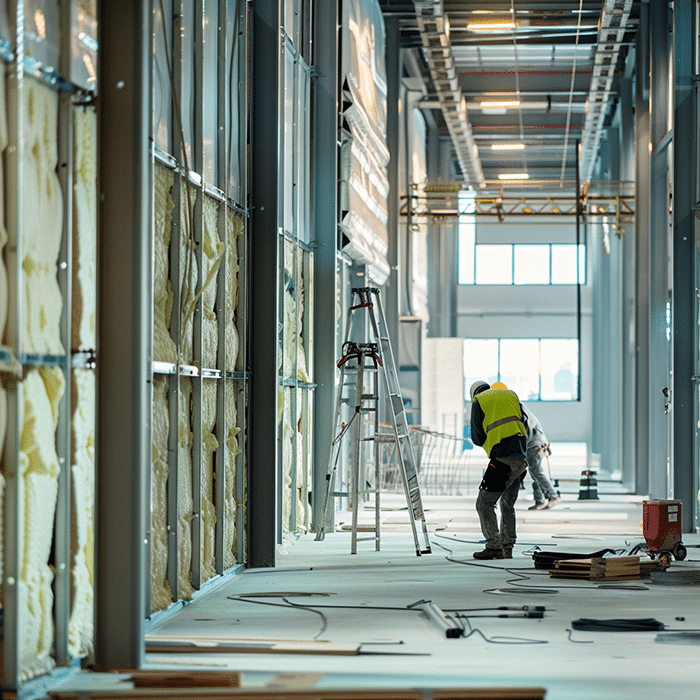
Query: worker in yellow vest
497, 426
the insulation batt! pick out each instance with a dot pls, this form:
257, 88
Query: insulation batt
234, 231
83, 337
84, 309
189, 275
185, 508
39, 468
42, 222
209, 447
3, 230
161, 595
81, 628
164, 349
232, 451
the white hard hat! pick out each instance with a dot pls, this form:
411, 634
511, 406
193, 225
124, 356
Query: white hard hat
477, 387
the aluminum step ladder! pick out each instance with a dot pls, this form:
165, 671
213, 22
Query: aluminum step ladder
372, 358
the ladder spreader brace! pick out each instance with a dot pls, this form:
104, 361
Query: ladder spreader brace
372, 358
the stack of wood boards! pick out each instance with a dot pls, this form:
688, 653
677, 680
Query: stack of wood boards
604, 568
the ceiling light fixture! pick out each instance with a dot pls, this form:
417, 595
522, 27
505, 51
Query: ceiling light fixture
507, 146
502, 104
514, 176
490, 26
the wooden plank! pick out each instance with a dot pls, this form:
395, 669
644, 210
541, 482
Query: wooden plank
489, 693
197, 646
147, 678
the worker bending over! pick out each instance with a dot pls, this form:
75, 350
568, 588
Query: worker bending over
537, 445
497, 426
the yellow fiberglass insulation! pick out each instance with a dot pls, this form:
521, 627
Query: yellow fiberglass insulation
81, 627
212, 253
42, 222
84, 308
185, 508
164, 349
234, 230
3, 230
209, 446
188, 273
161, 595
232, 451
39, 468
288, 461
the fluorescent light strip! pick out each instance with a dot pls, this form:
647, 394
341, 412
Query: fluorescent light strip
514, 176
490, 26
507, 146
502, 104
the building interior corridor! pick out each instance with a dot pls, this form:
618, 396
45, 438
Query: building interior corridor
254, 254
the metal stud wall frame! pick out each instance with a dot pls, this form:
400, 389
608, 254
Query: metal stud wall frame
48, 354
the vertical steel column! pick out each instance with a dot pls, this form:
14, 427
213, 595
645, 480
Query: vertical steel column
223, 311
197, 234
125, 327
324, 229
176, 278
627, 344
263, 505
659, 232
685, 168
393, 80
642, 226
14, 488
62, 531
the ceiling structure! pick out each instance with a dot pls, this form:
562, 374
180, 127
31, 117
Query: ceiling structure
521, 88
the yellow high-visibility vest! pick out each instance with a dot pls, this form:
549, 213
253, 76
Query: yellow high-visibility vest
502, 416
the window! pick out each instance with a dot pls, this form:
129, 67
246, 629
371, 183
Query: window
517, 263
467, 237
536, 369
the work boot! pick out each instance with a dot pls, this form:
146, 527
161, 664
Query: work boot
553, 502
508, 552
541, 505
489, 553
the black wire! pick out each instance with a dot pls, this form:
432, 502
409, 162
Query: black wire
286, 605
497, 639
578, 641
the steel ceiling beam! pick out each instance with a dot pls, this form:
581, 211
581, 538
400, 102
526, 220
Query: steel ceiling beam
434, 29
612, 28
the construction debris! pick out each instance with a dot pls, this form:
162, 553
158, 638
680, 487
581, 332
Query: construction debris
604, 568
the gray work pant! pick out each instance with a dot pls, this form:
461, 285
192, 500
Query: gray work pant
542, 488
486, 510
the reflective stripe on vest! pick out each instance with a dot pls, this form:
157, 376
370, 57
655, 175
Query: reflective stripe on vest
502, 416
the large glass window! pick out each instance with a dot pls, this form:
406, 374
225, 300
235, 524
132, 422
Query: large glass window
467, 237
536, 369
516, 263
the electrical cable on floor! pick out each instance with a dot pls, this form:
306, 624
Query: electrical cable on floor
522, 577
578, 641
496, 640
286, 605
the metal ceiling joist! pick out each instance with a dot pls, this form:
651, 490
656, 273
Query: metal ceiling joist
434, 29
611, 30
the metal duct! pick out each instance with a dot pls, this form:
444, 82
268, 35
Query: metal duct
434, 30
611, 30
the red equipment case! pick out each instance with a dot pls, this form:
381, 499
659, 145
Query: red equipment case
661, 522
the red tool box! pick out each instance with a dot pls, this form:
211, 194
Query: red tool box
661, 523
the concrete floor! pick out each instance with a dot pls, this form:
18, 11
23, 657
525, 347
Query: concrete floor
403, 648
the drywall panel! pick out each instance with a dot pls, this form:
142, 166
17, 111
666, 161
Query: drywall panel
442, 395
